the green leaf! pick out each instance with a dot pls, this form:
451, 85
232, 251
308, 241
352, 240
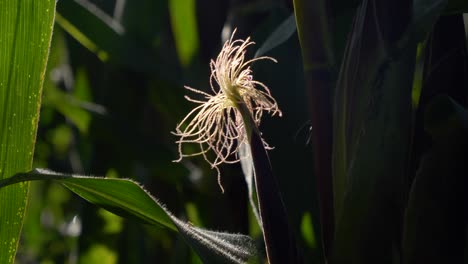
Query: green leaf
25, 33
126, 198
279, 36
307, 231
184, 28
120, 196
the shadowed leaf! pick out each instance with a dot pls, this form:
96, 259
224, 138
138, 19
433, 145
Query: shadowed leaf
436, 214
372, 132
278, 236
425, 13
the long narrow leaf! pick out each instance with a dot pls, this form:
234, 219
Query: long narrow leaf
102, 35
128, 199
372, 132
184, 28
279, 238
279, 36
247, 166
25, 33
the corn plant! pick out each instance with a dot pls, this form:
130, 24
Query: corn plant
385, 93
25, 33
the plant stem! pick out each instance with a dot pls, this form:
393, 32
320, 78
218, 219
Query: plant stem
317, 54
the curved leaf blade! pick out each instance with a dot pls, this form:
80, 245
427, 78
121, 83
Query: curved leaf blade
123, 197
279, 36
218, 247
129, 199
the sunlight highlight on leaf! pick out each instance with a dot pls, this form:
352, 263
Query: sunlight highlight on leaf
184, 28
25, 33
127, 198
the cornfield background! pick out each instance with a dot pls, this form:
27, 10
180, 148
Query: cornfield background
369, 159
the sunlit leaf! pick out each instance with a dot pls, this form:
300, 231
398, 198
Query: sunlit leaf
248, 171
98, 254
126, 198
25, 33
282, 33
184, 28
307, 231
